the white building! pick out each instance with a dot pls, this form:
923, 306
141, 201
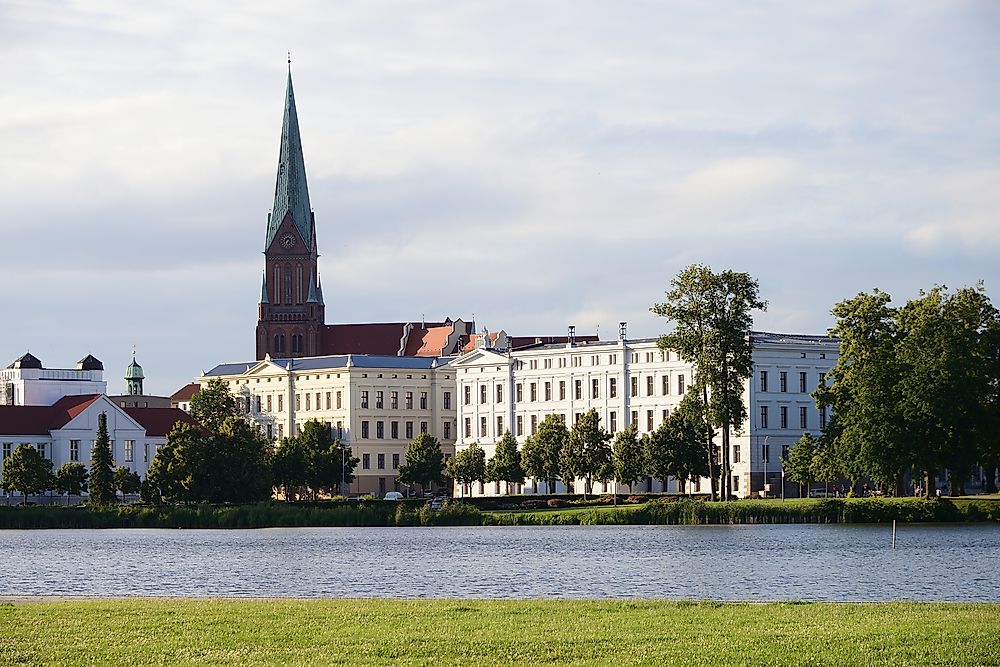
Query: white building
633, 381
375, 404
26, 382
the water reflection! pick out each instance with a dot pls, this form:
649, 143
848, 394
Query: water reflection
812, 562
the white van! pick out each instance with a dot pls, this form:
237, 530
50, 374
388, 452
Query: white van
393, 495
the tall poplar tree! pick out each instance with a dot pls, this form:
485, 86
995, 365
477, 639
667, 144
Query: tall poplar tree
712, 316
101, 483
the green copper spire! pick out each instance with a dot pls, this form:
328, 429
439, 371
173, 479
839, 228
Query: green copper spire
291, 195
134, 377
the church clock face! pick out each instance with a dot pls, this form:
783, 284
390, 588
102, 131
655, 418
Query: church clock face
287, 241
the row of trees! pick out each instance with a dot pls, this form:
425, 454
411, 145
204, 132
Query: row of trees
29, 473
916, 390
586, 451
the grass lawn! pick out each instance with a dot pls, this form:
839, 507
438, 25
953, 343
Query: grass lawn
461, 632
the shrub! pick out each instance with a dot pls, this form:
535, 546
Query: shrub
636, 500
556, 502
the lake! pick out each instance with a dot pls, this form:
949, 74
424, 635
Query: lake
950, 562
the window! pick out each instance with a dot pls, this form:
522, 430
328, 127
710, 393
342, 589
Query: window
666, 385
256, 400
763, 416
649, 420
562, 390
378, 400
822, 418
281, 403
499, 426
499, 393
395, 461
635, 386
520, 425
578, 389
736, 482
145, 447
783, 413
576, 417
534, 424
364, 429
665, 413
548, 391
380, 430
409, 398
595, 388
468, 427
782, 381
802, 418
534, 392
380, 461
802, 382
41, 447
340, 430
736, 453
765, 453
339, 403
409, 430
820, 379
446, 400
613, 388
298, 402
129, 451
613, 421
518, 391
308, 401
394, 400
482, 427
366, 461
680, 384
482, 393
268, 402
635, 418
423, 400
364, 399
649, 385
423, 427
784, 451
763, 381
74, 450
281, 431
394, 430
328, 400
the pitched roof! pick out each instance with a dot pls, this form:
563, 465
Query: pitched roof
40, 419
186, 392
373, 338
159, 421
291, 194
26, 360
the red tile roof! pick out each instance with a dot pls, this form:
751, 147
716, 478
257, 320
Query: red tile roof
40, 419
186, 392
374, 338
159, 421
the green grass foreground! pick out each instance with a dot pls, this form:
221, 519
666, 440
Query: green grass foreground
461, 632
416, 513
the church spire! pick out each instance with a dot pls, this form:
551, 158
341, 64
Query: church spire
291, 194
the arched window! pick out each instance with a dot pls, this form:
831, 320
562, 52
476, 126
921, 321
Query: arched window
288, 284
298, 284
276, 340
276, 286
297, 343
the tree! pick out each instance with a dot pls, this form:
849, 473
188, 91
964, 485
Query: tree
628, 457
126, 481
468, 466
100, 483
213, 403
540, 455
424, 462
27, 472
586, 452
676, 448
798, 464
238, 466
712, 313
71, 479
505, 466
313, 460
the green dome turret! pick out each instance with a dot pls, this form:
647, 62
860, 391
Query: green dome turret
134, 378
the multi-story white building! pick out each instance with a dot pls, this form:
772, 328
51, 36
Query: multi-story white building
26, 382
633, 381
374, 404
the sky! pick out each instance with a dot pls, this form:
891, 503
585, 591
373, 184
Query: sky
531, 164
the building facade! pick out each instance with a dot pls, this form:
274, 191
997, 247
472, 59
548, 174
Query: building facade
633, 381
26, 382
374, 404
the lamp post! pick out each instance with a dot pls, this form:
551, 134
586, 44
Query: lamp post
763, 467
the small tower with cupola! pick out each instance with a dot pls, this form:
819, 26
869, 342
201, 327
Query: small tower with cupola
134, 378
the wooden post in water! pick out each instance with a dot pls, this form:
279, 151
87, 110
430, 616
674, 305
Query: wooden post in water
893, 533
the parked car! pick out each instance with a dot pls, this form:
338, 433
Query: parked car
393, 495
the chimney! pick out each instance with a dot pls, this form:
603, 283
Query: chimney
622, 327
571, 335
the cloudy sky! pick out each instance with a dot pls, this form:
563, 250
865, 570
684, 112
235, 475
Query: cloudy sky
536, 164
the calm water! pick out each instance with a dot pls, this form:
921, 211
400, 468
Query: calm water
811, 562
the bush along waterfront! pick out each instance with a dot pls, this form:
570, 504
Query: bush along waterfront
555, 512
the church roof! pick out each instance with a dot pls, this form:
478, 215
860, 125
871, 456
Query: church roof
291, 194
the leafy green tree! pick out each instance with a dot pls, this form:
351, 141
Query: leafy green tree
798, 464
424, 462
541, 453
628, 457
587, 451
505, 465
100, 483
27, 472
71, 479
126, 481
213, 404
825, 467
313, 461
468, 466
676, 448
712, 313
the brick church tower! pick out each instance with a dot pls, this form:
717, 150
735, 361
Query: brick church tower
291, 314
